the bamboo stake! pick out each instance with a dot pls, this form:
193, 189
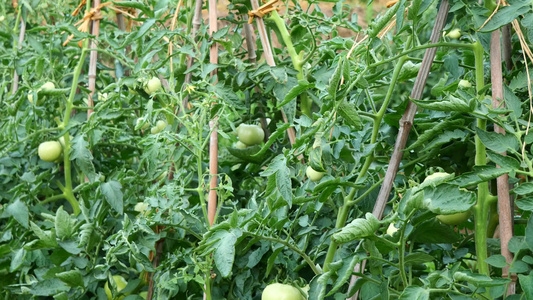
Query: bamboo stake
406, 122
213, 124
267, 52
15, 85
213, 140
196, 22
504, 202
507, 47
252, 57
93, 60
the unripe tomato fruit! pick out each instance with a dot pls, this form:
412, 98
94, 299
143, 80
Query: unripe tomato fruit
278, 291
240, 145
161, 125
391, 229
145, 124
50, 151
454, 34
463, 84
48, 86
313, 175
250, 134
154, 130
152, 86
121, 284
454, 219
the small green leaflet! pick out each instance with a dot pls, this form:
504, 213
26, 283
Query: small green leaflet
302, 86
112, 192
506, 15
349, 113
450, 103
498, 142
357, 229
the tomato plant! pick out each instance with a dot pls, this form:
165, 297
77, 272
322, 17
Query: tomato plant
356, 143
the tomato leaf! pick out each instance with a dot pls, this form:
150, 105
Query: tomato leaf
344, 272
349, 113
449, 103
19, 211
63, 224
480, 174
73, 278
112, 192
224, 253
507, 14
415, 293
357, 229
497, 261
81, 154
302, 86
498, 142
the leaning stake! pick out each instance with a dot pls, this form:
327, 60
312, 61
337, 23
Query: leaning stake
406, 122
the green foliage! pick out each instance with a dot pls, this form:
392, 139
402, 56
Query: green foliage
127, 201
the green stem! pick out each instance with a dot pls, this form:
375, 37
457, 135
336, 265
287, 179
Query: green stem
342, 216
421, 47
296, 60
481, 209
69, 195
401, 253
307, 259
345, 209
199, 170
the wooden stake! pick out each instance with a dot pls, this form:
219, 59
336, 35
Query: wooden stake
406, 122
93, 60
15, 85
267, 52
213, 141
504, 202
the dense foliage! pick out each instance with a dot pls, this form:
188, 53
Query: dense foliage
125, 199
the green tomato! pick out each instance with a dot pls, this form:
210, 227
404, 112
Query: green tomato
50, 151
152, 86
141, 207
313, 175
454, 219
463, 84
120, 282
48, 86
142, 124
250, 134
454, 34
278, 291
240, 145
391, 229
155, 130
161, 125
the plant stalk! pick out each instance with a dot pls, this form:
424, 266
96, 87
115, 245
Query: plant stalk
481, 208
